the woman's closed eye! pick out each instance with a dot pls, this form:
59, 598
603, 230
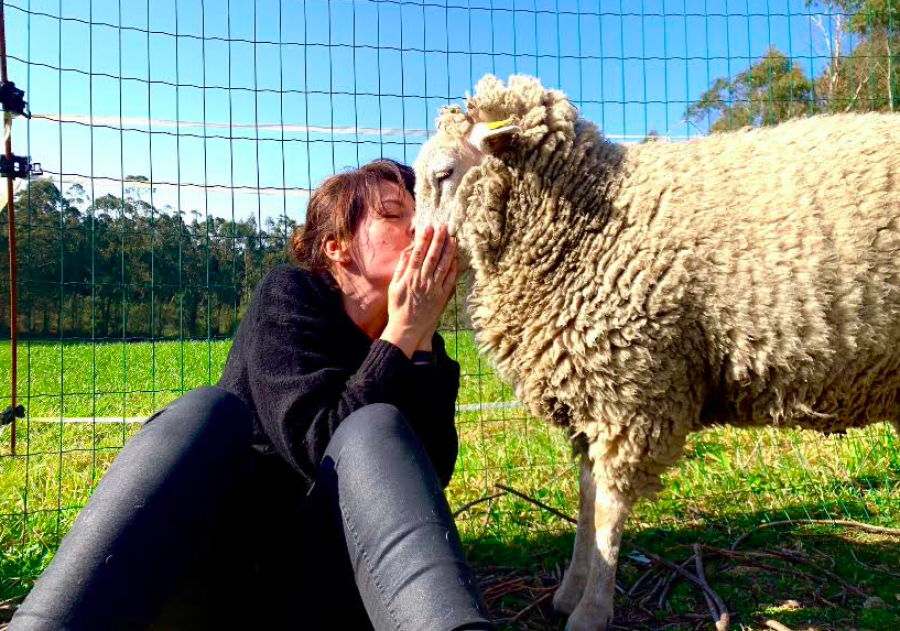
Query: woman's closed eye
393, 210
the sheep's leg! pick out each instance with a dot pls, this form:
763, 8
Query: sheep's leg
595, 610
569, 593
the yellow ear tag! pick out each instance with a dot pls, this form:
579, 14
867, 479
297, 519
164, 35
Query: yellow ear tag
498, 124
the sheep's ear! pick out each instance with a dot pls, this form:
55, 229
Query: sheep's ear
492, 138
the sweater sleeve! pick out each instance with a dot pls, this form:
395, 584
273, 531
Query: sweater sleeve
434, 407
301, 396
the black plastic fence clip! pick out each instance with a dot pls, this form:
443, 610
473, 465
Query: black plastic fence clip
19, 166
11, 413
13, 100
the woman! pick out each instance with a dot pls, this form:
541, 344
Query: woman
305, 490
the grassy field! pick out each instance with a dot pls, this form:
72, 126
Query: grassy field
805, 576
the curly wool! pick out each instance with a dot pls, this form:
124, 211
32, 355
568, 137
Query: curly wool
635, 294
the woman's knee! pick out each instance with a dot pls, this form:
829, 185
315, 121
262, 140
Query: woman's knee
370, 429
205, 414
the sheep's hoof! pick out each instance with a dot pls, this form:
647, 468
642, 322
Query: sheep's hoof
566, 600
584, 619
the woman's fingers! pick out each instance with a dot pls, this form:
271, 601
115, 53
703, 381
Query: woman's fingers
420, 249
435, 251
443, 266
402, 264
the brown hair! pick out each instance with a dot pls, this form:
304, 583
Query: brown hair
338, 206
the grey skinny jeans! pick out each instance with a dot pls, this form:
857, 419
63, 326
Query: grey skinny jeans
183, 533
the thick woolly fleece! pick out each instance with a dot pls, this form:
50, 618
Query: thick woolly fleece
302, 366
635, 294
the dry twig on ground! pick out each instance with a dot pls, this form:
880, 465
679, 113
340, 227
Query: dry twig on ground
723, 620
537, 602
638, 582
480, 500
795, 557
872, 568
549, 509
698, 562
846, 523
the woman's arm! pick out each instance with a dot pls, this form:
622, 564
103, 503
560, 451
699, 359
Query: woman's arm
434, 408
299, 380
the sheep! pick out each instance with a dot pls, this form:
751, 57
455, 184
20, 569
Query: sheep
634, 294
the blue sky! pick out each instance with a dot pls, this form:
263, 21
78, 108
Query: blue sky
291, 90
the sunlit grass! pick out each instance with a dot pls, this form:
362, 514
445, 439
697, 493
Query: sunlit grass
729, 480
109, 378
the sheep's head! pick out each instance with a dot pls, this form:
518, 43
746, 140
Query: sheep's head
443, 162
497, 119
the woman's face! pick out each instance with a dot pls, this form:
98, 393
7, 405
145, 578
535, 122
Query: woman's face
382, 237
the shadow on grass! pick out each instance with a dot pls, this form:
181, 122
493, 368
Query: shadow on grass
516, 571
811, 590
873, 483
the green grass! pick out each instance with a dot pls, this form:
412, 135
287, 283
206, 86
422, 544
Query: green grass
109, 378
729, 481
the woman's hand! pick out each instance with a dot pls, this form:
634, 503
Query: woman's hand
420, 290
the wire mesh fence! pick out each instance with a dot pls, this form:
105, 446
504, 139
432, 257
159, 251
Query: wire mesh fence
179, 141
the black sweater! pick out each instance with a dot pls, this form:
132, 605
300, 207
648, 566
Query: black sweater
302, 365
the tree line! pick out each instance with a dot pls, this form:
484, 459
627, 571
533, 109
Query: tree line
864, 78
118, 267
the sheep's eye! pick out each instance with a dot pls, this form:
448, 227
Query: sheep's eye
440, 176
